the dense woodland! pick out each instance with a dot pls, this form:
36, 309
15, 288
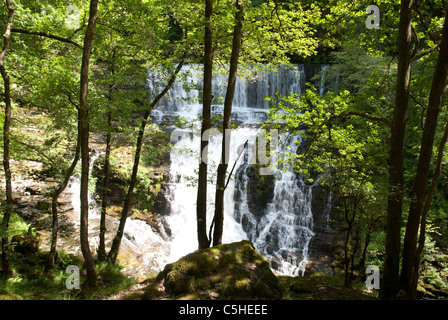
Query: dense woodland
75, 71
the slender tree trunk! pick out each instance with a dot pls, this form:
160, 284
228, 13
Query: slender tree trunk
424, 164
49, 266
222, 167
201, 202
101, 252
356, 247
390, 285
362, 262
102, 245
349, 221
113, 253
83, 136
6, 142
432, 189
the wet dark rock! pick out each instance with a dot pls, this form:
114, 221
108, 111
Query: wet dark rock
260, 190
29, 213
323, 245
321, 254
66, 227
33, 191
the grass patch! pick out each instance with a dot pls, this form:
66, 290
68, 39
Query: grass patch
30, 282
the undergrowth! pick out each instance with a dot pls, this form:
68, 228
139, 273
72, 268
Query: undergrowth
29, 281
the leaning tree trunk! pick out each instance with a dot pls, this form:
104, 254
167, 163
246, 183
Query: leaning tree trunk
201, 202
102, 245
432, 189
101, 252
390, 285
83, 136
222, 167
424, 165
113, 253
6, 142
49, 266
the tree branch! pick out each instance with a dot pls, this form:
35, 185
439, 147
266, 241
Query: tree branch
46, 35
424, 53
77, 30
37, 151
230, 175
362, 115
69, 96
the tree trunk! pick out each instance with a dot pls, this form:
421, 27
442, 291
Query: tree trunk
390, 285
101, 252
349, 221
432, 189
424, 164
222, 167
6, 142
49, 266
201, 202
113, 253
362, 262
102, 245
83, 136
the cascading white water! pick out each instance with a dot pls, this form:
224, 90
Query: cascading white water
183, 192
284, 230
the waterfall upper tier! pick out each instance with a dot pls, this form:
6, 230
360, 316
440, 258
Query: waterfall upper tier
252, 89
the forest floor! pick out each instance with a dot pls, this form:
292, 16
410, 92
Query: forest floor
323, 287
313, 287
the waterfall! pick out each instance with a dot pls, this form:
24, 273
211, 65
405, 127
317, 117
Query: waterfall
283, 229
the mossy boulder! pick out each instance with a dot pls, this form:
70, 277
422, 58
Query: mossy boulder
5, 295
227, 271
25, 244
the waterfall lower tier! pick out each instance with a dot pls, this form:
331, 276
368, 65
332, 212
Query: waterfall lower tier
281, 229
182, 191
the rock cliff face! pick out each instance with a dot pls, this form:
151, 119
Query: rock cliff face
322, 246
228, 271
